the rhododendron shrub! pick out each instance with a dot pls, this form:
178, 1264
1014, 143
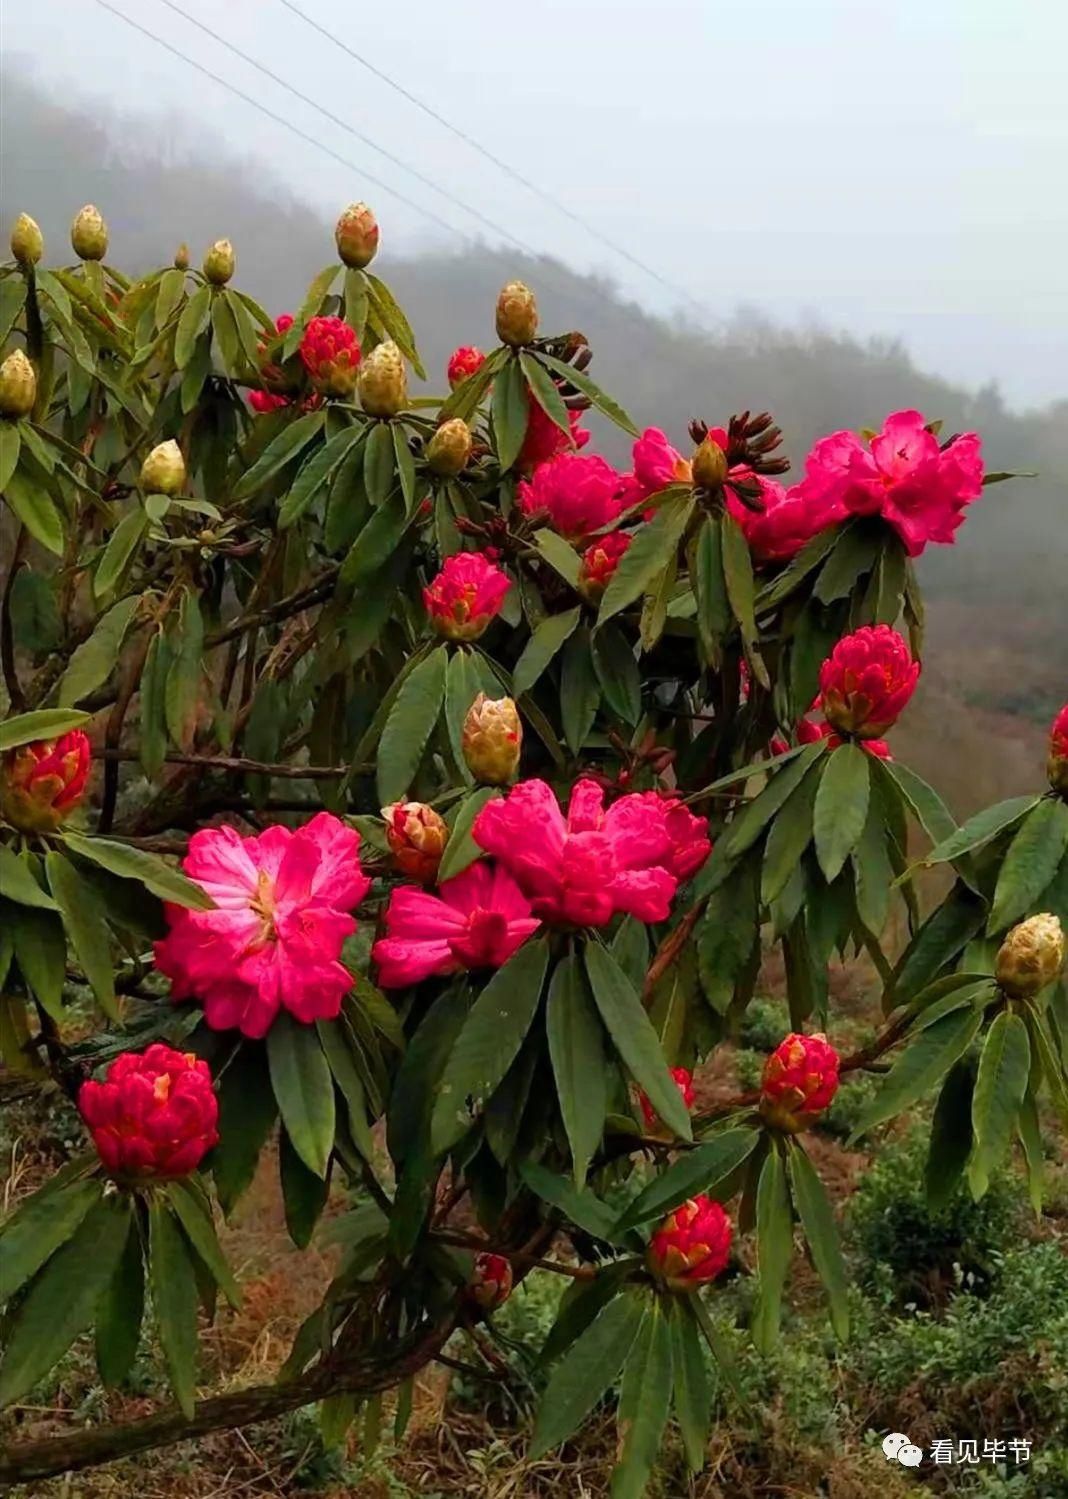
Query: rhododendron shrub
417, 794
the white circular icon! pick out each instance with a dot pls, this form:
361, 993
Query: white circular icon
893, 1444
911, 1456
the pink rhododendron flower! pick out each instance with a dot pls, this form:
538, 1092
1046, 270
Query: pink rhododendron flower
154, 1115
692, 1244
867, 680
657, 464
576, 495
904, 475
476, 920
800, 1080
600, 560
544, 439
690, 844
1057, 763
463, 363
582, 870
330, 352
274, 937
683, 1079
465, 595
41, 783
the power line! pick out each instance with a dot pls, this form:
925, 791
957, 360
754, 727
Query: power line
476, 145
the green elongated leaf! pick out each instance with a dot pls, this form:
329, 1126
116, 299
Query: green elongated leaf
409, 726
738, 576
85, 920
316, 474
42, 723
980, 829
334, 1037
487, 1044
1033, 858
873, 873
12, 301
710, 588
94, 660
581, 1206
693, 1397
726, 936
576, 1048
924, 1062
135, 864
618, 673
542, 646
1000, 1085
775, 1245
644, 1398
227, 341
545, 391
34, 508
153, 716
34, 611
247, 1111
375, 544
416, 1083
951, 1134
41, 952
654, 544
503, 1117
170, 292
580, 690
582, 382
304, 1193
462, 686
192, 1210
854, 554
304, 1088
195, 317
461, 850
1031, 1141
634, 1037
559, 554
510, 413
10, 443
888, 584
318, 289
703, 1169
630, 948
748, 824
174, 1300
391, 315
926, 805
42, 1224
790, 835
585, 1372
464, 400
357, 300
945, 934
291, 441
120, 548
379, 458
817, 1221
841, 808
405, 466
579, 1305
17, 881
63, 1298
120, 1313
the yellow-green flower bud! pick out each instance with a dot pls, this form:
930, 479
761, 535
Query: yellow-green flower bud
89, 234
492, 740
181, 257
27, 241
356, 236
163, 471
219, 262
450, 448
709, 465
517, 314
1031, 956
382, 381
18, 385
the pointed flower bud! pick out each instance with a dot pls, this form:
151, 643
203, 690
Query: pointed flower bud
492, 740
163, 471
463, 363
709, 464
866, 681
89, 234
1057, 764
491, 1281
1031, 956
416, 835
181, 257
383, 381
517, 314
356, 236
219, 263
692, 1245
800, 1079
599, 562
155, 1115
450, 448
18, 385
27, 241
42, 783
684, 1083
330, 352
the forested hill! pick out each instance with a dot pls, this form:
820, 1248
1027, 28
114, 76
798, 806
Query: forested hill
1000, 617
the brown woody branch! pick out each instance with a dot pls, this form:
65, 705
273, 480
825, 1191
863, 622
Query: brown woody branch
240, 763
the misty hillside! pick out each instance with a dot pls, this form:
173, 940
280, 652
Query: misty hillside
999, 616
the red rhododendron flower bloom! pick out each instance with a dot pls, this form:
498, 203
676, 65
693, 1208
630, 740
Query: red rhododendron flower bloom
154, 1116
692, 1245
690, 844
584, 870
465, 595
809, 732
274, 936
919, 487
684, 1083
42, 783
657, 464
1057, 764
491, 1281
800, 1079
463, 363
600, 560
576, 495
544, 439
330, 352
867, 680
476, 920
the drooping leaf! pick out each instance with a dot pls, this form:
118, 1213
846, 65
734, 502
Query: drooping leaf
42, 723
921, 1065
183, 689
582, 382
147, 869
40, 1226
174, 1300
545, 391
542, 646
841, 808
817, 1221
1000, 1085
951, 1134
585, 1372
304, 1193
315, 475
192, 1209
702, 1169
1033, 857
18, 883
195, 317
644, 1398
85, 920
119, 1315
304, 1088
576, 1047
120, 548
94, 660
41, 953
291, 441
579, 1205
247, 1110
775, 1243
653, 544
580, 690
34, 507
692, 1395
618, 672
727, 934
979, 829
510, 413
409, 726
461, 850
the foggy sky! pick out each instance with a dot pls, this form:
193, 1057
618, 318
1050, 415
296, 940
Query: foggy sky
884, 168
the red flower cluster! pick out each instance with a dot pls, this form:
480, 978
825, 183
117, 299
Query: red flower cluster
800, 1079
416, 835
491, 1281
692, 1245
600, 560
544, 439
1057, 764
684, 1083
465, 595
154, 1116
866, 681
572, 494
463, 363
42, 783
330, 352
